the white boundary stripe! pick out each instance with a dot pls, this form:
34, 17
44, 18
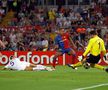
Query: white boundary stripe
106, 84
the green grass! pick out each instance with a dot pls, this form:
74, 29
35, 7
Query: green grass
63, 78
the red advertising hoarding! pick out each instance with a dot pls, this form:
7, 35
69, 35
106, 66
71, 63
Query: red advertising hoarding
45, 58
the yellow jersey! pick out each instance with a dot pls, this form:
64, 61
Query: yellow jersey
95, 46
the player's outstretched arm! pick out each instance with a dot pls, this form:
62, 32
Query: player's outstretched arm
72, 43
81, 45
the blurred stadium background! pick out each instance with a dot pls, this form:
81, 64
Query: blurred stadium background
31, 25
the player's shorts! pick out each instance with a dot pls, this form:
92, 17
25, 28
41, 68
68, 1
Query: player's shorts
65, 50
93, 59
23, 65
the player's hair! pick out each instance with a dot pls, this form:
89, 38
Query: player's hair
11, 57
93, 32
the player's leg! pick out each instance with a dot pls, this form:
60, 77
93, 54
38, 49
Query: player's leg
36, 68
70, 51
79, 64
74, 66
106, 70
73, 53
93, 65
90, 59
28, 69
54, 58
93, 60
42, 68
32, 65
28, 66
99, 67
0, 54
50, 69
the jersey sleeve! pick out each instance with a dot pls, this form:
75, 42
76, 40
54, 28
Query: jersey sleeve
103, 48
89, 46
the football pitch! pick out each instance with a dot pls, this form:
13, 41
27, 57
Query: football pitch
63, 78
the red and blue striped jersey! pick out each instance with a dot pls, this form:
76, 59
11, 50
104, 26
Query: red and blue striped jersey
62, 41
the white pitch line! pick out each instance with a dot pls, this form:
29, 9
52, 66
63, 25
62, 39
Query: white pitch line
105, 84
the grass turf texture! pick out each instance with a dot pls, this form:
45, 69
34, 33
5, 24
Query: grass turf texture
64, 78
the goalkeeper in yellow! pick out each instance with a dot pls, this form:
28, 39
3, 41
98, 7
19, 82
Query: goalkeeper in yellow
94, 48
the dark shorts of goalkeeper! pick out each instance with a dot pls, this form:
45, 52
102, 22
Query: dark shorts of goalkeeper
93, 59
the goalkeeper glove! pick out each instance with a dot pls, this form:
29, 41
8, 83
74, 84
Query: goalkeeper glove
80, 58
105, 57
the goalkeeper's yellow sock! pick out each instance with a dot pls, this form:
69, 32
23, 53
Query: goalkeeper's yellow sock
77, 64
98, 67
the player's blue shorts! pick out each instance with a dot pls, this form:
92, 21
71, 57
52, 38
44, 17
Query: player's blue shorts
65, 50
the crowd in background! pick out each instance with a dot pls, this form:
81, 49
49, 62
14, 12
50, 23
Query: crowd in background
34, 28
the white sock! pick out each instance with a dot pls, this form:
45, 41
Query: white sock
39, 68
35, 69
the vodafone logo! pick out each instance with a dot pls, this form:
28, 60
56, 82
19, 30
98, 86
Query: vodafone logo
45, 58
29, 57
4, 59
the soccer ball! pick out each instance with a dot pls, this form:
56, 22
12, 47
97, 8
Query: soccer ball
86, 65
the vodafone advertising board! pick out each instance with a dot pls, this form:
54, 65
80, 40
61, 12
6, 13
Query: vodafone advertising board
45, 58
39, 57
